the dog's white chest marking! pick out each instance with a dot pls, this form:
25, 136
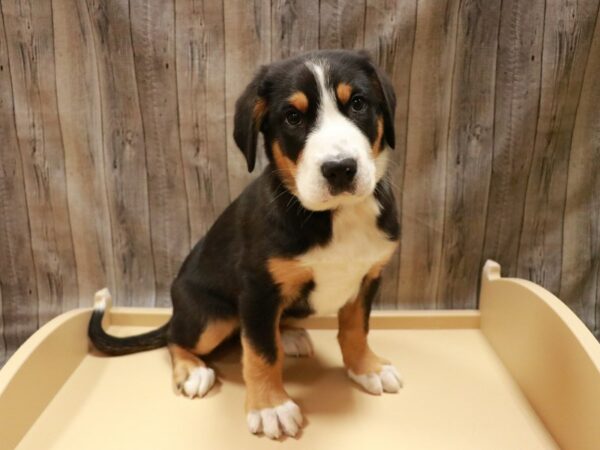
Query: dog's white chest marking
356, 246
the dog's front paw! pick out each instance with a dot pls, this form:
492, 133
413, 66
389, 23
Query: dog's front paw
296, 342
285, 418
386, 380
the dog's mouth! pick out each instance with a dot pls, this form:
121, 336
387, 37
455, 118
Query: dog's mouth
326, 196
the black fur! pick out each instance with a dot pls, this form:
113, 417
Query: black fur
114, 346
370, 291
226, 275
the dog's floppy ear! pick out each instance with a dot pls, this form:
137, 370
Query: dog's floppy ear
389, 99
250, 110
389, 107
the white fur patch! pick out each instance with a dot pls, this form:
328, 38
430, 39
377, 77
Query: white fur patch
272, 421
334, 138
296, 342
356, 246
387, 380
199, 382
102, 300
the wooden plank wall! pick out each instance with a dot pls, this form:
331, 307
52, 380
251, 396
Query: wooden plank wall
116, 149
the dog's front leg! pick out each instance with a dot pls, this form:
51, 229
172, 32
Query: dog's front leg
269, 408
373, 373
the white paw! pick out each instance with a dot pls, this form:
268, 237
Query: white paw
296, 342
198, 382
387, 380
272, 421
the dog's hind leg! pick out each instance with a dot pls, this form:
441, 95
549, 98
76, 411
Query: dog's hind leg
191, 376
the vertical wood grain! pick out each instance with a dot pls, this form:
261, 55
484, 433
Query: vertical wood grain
425, 164
125, 166
342, 23
518, 90
580, 276
247, 46
295, 27
3, 351
200, 61
392, 49
469, 158
153, 34
567, 38
79, 111
17, 269
117, 151
31, 50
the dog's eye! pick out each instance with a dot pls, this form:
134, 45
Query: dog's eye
358, 103
293, 118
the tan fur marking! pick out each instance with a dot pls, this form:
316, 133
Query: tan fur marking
343, 91
264, 381
260, 108
287, 168
183, 362
376, 149
299, 100
352, 336
290, 276
214, 334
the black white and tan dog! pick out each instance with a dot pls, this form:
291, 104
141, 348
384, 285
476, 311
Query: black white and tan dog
310, 235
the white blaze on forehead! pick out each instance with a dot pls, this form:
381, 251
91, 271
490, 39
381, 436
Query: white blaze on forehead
328, 106
334, 137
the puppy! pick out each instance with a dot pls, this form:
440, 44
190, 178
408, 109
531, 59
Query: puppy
310, 235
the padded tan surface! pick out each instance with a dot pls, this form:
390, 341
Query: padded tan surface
457, 395
521, 373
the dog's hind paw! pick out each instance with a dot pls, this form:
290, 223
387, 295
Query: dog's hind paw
296, 342
198, 382
388, 379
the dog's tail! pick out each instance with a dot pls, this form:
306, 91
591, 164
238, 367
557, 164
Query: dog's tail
112, 345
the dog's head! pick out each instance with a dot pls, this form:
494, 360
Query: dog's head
327, 118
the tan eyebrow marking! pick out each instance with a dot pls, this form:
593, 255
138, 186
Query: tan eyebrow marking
299, 101
343, 91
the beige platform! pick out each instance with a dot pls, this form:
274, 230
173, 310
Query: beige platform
521, 373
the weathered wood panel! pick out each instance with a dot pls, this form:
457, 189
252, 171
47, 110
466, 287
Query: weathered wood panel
424, 184
200, 67
153, 31
125, 165
568, 33
79, 110
3, 349
30, 46
17, 270
342, 23
517, 100
392, 49
295, 27
117, 151
469, 156
247, 46
580, 277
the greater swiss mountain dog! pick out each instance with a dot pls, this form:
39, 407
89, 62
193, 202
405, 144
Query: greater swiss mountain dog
310, 235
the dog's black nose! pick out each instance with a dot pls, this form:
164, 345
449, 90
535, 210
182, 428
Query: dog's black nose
339, 174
